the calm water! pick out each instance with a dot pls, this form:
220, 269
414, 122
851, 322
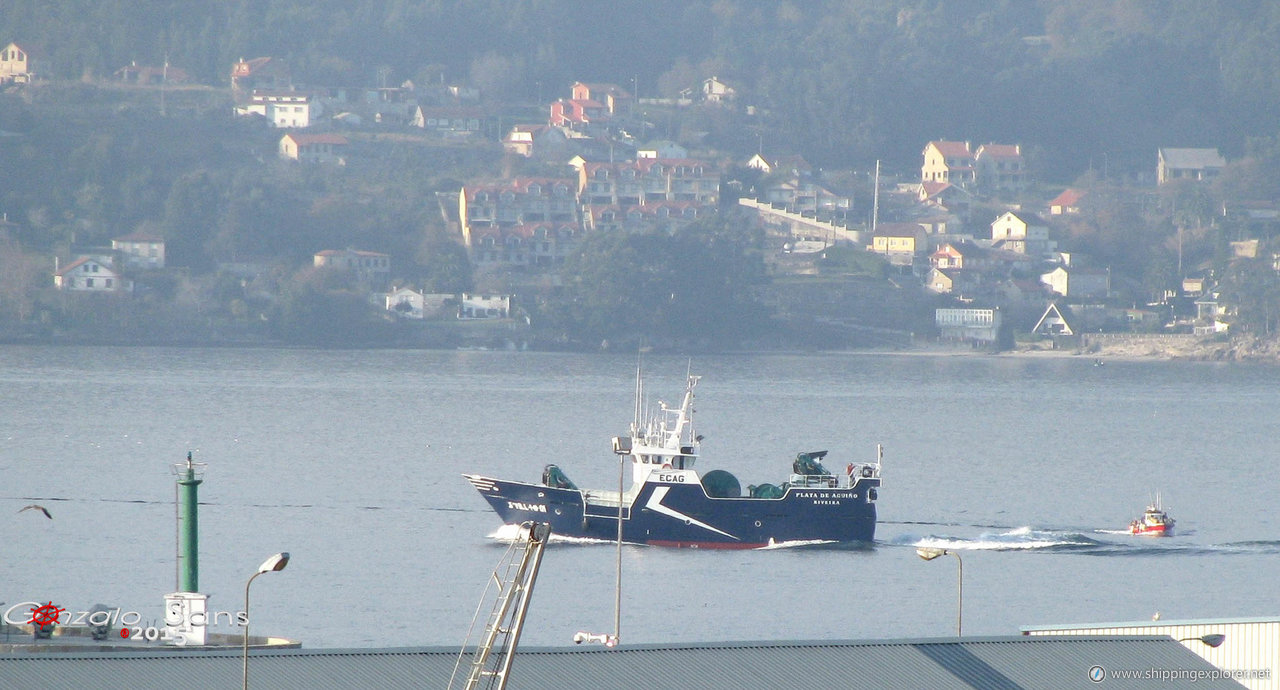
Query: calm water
351, 462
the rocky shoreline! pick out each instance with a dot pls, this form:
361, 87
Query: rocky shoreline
1214, 348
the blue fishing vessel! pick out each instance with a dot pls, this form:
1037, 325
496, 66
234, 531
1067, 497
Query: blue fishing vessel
668, 503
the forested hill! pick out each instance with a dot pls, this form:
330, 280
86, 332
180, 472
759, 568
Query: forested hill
843, 81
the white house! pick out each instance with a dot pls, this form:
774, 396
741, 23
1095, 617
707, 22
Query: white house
948, 161
1083, 283
90, 274
484, 306
793, 164
1052, 322
313, 148
968, 325
405, 302
281, 108
1025, 233
15, 64
1188, 164
716, 91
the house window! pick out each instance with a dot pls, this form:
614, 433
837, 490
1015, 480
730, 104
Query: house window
108, 283
88, 282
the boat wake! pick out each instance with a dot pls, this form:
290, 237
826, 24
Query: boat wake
1245, 547
798, 543
1020, 538
508, 534
1104, 542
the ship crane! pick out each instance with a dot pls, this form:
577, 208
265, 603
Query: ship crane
491, 660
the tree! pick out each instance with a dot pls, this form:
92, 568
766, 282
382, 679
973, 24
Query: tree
19, 281
697, 287
445, 265
322, 307
1254, 288
191, 215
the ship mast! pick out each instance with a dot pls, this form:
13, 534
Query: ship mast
875, 200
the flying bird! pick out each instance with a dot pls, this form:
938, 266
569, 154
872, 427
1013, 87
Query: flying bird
40, 508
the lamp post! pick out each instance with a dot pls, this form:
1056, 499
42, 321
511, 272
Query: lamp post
1214, 640
274, 564
928, 554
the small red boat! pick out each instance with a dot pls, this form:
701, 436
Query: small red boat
1155, 522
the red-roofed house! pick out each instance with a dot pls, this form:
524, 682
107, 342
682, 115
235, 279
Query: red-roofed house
90, 274
490, 212
312, 148
1000, 168
260, 73
632, 183
959, 255
947, 161
657, 214
1066, 202
527, 244
614, 99
972, 257
576, 114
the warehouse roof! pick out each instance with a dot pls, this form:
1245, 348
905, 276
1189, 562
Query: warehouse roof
971, 662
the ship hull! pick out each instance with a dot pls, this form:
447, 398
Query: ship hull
683, 515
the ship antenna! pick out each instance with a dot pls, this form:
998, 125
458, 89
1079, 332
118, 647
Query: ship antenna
617, 589
635, 424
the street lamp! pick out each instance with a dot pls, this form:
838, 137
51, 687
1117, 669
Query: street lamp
1214, 640
274, 564
929, 553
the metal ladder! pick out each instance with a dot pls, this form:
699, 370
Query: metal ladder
519, 570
